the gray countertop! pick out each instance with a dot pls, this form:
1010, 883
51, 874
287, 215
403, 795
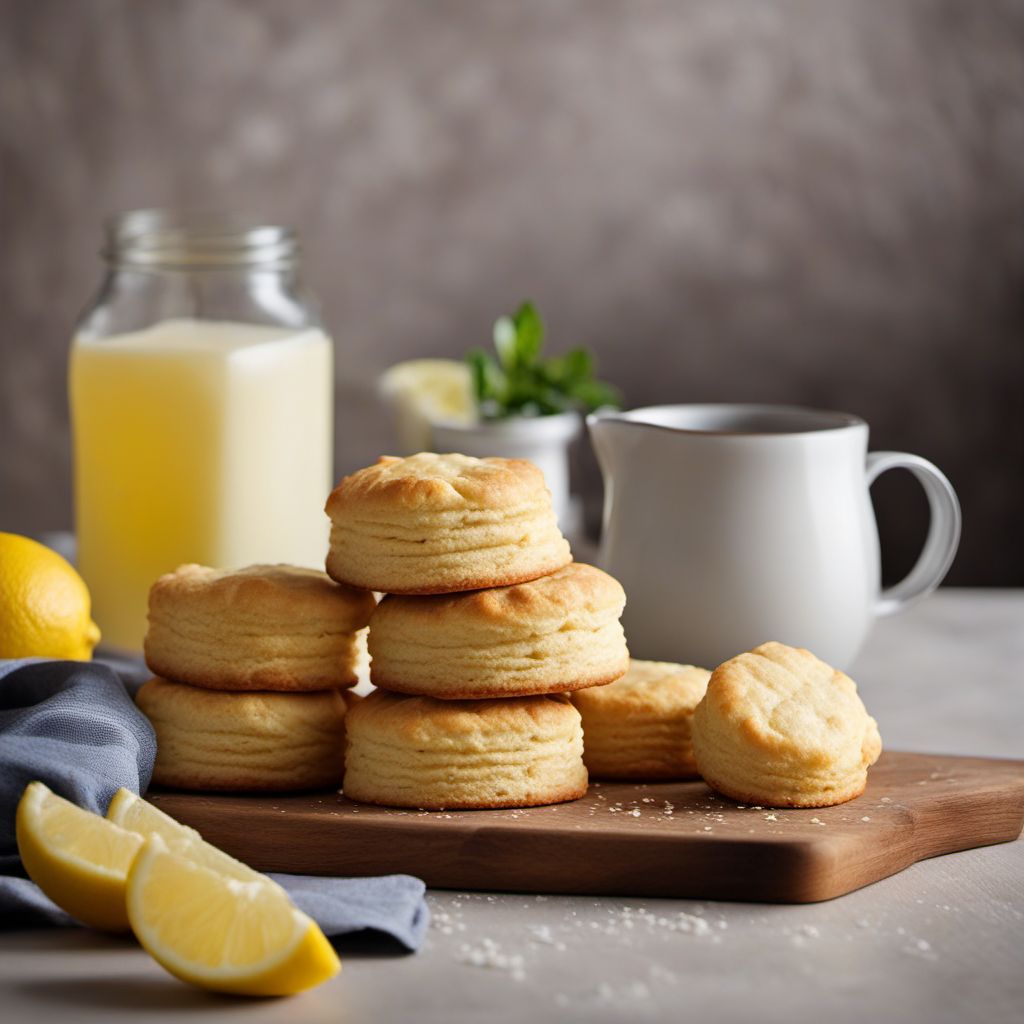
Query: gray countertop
943, 941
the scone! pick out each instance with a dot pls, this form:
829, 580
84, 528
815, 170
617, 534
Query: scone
407, 751
437, 524
639, 726
212, 740
780, 728
267, 627
555, 634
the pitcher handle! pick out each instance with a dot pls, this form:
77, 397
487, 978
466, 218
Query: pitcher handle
943, 530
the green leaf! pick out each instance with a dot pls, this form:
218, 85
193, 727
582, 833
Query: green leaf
595, 394
564, 371
489, 382
529, 334
579, 364
505, 340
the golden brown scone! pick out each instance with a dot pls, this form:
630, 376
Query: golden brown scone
212, 740
437, 524
639, 726
780, 728
555, 634
407, 751
267, 627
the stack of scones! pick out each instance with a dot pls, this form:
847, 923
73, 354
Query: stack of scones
485, 627
252, 669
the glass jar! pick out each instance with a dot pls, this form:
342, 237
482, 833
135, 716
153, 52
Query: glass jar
201, 388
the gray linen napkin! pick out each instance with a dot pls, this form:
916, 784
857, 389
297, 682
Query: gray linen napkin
72, 725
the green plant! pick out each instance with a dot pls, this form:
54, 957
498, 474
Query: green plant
522, 382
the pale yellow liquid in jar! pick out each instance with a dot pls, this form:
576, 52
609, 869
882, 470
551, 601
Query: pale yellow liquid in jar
196, 441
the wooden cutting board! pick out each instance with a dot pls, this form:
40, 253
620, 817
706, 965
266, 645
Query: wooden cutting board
658, 839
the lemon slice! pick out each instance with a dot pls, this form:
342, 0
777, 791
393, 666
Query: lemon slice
133, 813
427, 391
77, 858
243, 937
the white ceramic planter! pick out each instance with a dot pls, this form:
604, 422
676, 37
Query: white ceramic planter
543, 440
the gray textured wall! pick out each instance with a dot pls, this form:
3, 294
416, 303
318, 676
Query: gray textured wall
818, 201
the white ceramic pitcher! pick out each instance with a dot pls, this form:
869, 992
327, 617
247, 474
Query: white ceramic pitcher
731, 525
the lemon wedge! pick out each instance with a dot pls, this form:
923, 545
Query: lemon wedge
77, 858
220, 933
427, 391
131, 812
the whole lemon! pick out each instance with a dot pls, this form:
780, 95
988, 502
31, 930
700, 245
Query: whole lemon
44, 604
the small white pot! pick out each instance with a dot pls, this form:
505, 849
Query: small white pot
544, 440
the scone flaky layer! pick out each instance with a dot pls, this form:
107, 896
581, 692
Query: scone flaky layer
781, 728
639, 726
551, 635
432, 524
271, 627
212, 740
408, 751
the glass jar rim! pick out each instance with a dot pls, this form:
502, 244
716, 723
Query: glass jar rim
166, 238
